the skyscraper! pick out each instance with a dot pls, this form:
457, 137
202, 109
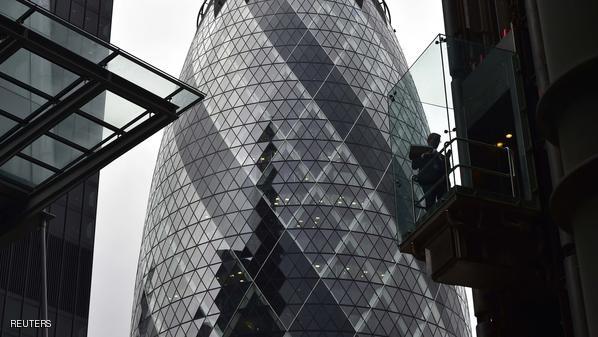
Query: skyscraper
70, 234
273, 209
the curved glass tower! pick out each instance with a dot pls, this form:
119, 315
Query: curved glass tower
272, 210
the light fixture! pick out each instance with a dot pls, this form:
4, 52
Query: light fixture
348, 268
509, 135
239, 272
317, 266
500, 144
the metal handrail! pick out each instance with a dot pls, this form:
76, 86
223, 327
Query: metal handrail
448, 146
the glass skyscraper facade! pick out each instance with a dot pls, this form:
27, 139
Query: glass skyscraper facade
273, 208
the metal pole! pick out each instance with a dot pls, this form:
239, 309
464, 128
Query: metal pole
413, 200
44, 301
446, 170
511, 171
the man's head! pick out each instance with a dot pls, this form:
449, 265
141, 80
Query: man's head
434, 140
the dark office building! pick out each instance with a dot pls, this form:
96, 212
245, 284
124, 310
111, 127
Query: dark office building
272, 209
70, 237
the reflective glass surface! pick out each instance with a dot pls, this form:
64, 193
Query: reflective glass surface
81, 131
12, 9
52, 152
141, 76
112, 109
68, 38
6, 124
26, 172
183, 99
17, 101
34, 70
272, 207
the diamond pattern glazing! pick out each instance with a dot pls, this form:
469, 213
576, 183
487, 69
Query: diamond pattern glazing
272, 210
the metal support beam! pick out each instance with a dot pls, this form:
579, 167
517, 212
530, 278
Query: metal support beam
36, 128
63, 183
9, 47
77, 64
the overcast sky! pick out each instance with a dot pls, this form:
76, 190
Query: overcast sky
160, 32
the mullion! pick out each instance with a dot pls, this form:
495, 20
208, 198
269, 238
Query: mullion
134, 120
73, 162
38, 162
99, 121
110, 57
55, 99
25, 15
8, 48
100, 144
174, 93
86, 152
68, 142
103, 142
11, 117
26, 86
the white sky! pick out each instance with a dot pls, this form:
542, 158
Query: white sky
160, 32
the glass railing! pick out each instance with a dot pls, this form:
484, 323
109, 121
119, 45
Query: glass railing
494, 178
449, 90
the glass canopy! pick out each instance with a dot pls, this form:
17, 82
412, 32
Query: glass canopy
71, 103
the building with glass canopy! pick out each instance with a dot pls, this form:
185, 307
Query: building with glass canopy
70, 103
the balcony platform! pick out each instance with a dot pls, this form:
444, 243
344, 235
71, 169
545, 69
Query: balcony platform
474, 239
